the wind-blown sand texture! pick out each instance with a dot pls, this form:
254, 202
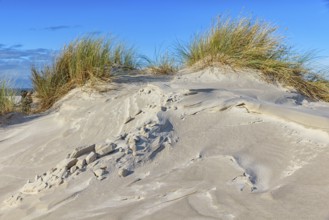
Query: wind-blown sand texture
210, 144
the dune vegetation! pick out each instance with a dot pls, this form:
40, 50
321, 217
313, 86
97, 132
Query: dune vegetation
238, 43
162, 64
7, 103
85, 59
254, 44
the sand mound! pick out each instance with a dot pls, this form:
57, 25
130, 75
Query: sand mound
212, 144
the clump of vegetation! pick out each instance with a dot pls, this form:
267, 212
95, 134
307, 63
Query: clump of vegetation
7, 103
248, 43
80, 61
163, 64
26, 101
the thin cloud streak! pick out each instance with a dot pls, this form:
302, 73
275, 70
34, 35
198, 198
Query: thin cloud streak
15, 53
56, 28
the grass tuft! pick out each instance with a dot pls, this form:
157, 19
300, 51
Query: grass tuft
83, 60
7, 96
163, 64
248, 43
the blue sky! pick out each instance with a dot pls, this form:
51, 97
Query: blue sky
33, 30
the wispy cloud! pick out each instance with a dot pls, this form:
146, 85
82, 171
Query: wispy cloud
55, 28
60, 27
15, 46
15, 52
15, 62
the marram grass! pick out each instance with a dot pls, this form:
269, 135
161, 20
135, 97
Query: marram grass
80, 61
163, 64
248, 43
7, 103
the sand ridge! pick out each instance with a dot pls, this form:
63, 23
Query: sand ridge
208, 144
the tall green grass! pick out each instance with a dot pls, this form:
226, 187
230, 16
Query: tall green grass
249, 43
162, 64
7, 103
85, 59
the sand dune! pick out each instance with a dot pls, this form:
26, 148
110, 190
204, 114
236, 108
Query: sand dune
210, 144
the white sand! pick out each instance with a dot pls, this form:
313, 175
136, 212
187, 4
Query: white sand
204, 145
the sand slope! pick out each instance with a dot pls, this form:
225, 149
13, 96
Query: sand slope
210, 144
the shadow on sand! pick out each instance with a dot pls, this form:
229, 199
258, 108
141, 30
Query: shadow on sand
15, 118
128, 78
